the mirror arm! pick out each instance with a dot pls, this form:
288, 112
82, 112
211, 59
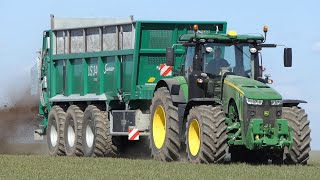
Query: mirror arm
268, 45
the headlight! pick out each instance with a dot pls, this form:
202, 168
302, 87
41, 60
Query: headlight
254, 101
276, 102
253, 50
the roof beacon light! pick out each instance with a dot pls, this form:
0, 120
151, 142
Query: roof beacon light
195, 27
232, 34
265, 30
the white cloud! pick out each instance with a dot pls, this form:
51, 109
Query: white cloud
316, 46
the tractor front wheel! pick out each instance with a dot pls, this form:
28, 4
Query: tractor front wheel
298, 121
206, 138
164, 127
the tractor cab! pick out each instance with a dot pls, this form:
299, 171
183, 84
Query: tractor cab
216, 60
210, 58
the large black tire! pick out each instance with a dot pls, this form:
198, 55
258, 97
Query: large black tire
54, 132
169, 150
72, 131
94, 128
212, 134
113, 144
298, 121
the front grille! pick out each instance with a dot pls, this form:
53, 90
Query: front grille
258, 113
156, 60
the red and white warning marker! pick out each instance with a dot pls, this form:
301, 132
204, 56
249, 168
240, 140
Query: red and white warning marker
165, 70
133, 134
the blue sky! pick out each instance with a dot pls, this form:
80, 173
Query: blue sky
293, 23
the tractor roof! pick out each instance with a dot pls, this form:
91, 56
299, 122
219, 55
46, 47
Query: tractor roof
231, 37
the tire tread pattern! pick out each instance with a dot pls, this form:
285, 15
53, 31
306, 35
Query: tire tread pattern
61, 116
171, 147
298, 120
78, 118
112, 148
213, 134
101, 129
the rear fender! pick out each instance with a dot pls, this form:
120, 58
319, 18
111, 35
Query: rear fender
174, 86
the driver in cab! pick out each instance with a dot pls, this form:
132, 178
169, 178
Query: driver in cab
215, 65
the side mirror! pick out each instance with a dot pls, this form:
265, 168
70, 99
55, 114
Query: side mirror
287, 57
170, 56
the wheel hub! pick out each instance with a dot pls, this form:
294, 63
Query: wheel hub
159, 126
89, 136
53, 136
194, 137
71, 136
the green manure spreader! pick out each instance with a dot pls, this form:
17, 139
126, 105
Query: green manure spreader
189, 86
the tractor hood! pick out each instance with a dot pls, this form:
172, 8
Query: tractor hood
251, 88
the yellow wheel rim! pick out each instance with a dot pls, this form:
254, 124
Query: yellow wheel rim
159, 126
194, 137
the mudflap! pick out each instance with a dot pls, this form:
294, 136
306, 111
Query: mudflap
38, 135
39, 128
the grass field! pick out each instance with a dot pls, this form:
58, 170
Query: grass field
46, 167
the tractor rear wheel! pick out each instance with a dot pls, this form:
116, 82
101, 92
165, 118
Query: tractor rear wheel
72, 131
164, 127
55, 125
94, 128
298, 121
206, 138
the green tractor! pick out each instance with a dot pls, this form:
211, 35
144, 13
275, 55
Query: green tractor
219, 103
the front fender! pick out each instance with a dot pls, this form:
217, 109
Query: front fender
292, 102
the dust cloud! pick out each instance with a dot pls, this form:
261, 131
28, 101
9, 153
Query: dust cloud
18, 120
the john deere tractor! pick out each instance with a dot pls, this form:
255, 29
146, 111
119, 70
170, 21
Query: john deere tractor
219, 103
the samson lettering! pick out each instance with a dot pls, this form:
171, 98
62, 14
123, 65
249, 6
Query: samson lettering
108, 69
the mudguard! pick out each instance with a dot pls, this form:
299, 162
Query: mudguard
175, 88
292, 102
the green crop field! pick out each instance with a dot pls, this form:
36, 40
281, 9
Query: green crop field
46, 167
